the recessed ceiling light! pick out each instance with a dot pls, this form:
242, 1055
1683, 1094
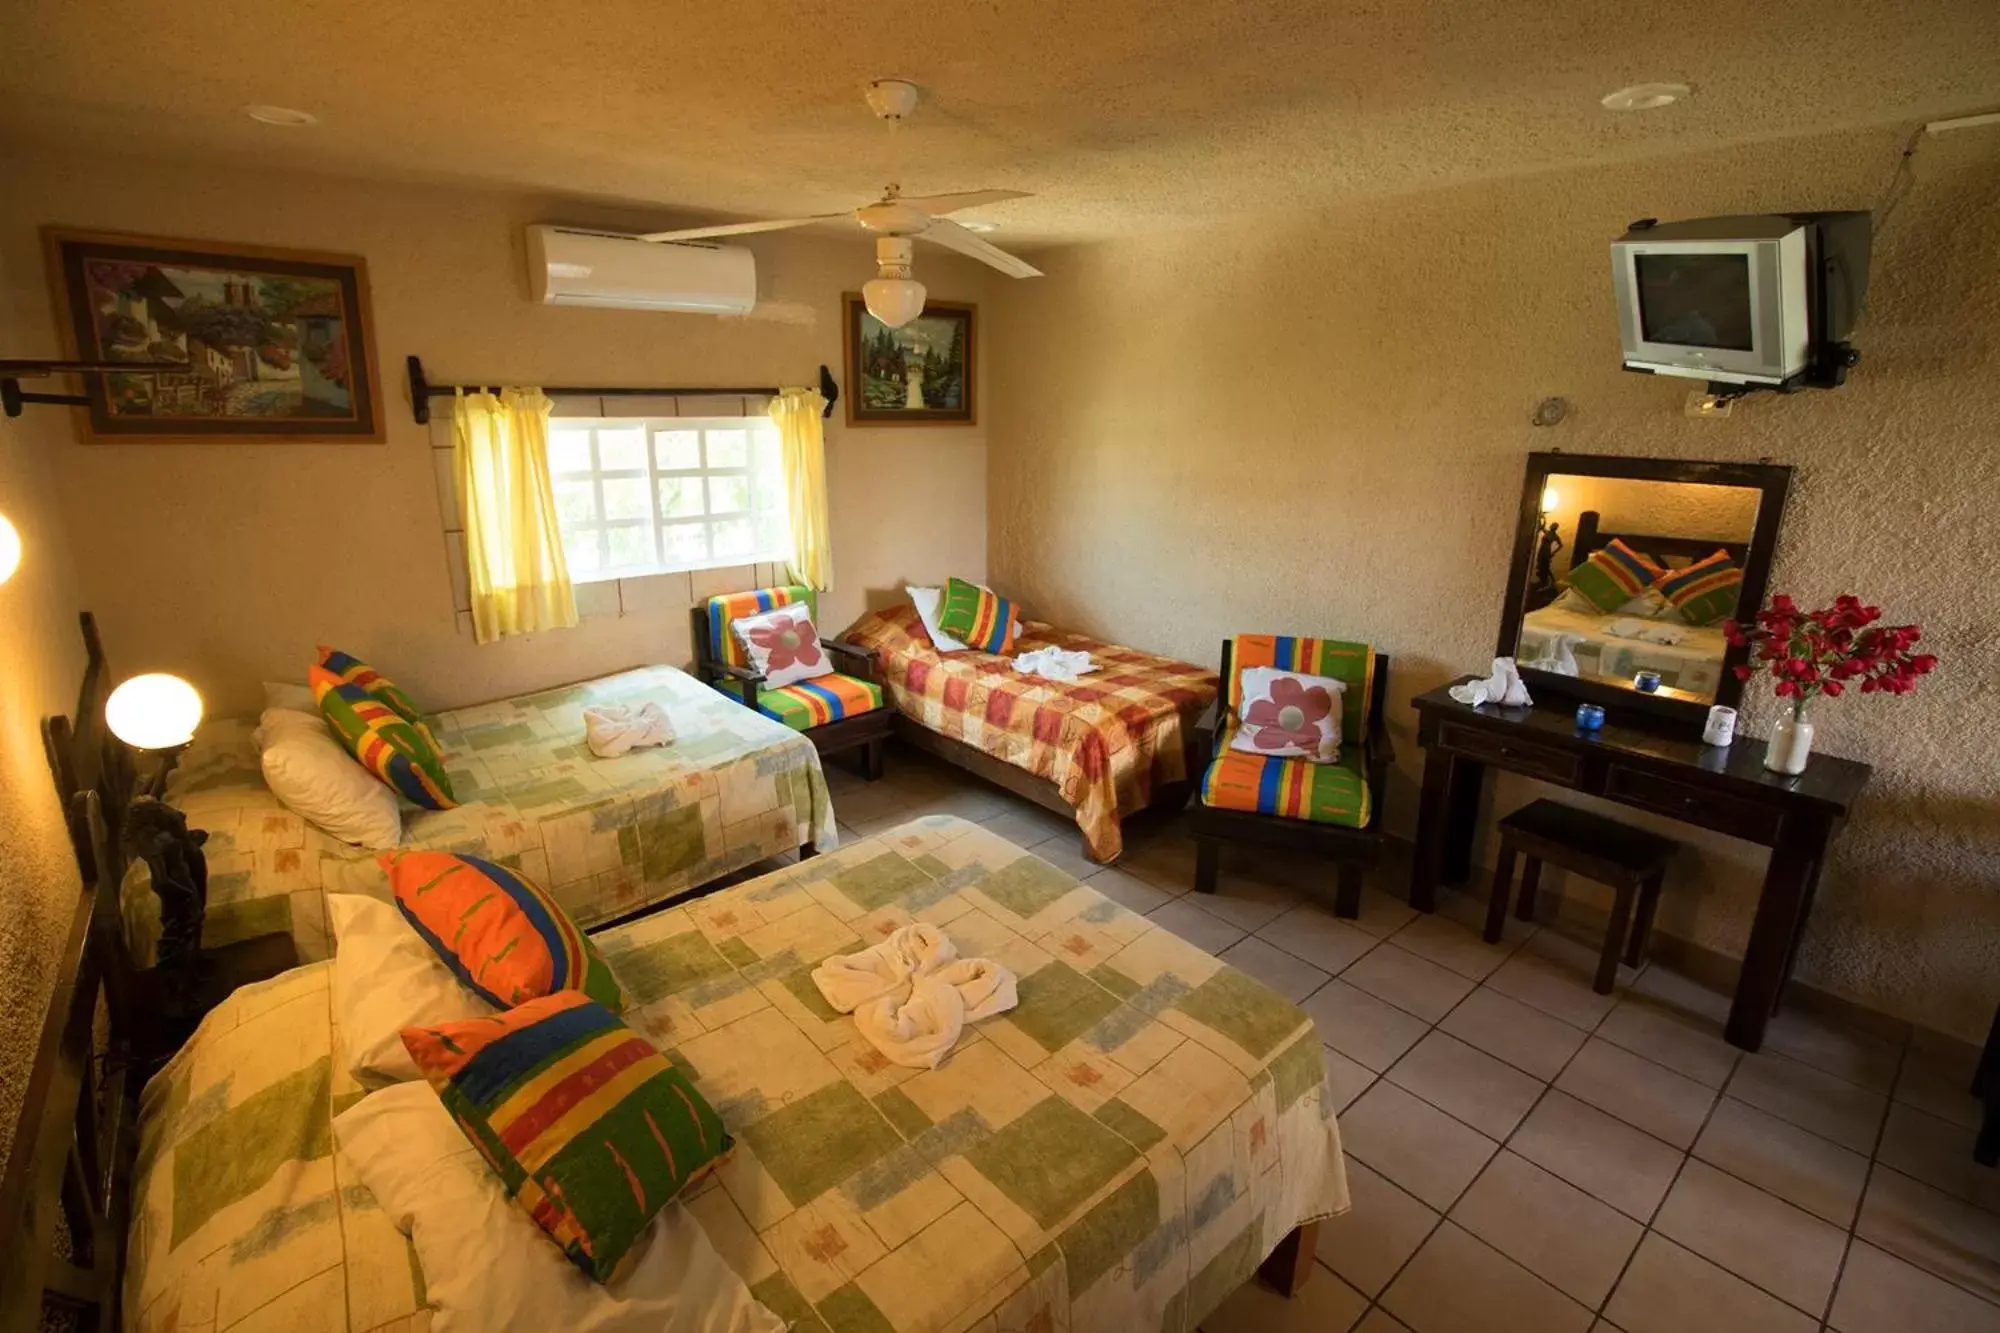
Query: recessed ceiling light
1645, 96
280, 115
977, 224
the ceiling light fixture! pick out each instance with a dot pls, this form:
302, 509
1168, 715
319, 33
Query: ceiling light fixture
1645, 96
895, 297
288, 117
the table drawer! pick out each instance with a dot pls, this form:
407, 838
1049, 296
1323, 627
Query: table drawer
1691, 804
1548, 762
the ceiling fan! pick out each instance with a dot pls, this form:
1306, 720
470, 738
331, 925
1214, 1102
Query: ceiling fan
893, 296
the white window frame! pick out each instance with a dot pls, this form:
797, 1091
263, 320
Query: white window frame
763, 488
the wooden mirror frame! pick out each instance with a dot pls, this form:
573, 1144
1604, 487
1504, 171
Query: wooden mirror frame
1771, 480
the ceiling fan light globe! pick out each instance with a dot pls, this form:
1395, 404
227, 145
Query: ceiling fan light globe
893, 301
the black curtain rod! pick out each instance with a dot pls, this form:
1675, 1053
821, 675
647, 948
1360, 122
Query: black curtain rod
422, 391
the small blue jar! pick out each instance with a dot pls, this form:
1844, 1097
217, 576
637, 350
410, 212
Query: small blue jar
1589, 717
1646, 682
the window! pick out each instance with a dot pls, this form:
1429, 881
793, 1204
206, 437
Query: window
657, 495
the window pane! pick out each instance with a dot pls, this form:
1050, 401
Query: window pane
677, 449
733, 537
569, 451
728, 448
728, 495
680, 497
631, 545
581, 551
621, 449
627, 497
576, 502
687, 543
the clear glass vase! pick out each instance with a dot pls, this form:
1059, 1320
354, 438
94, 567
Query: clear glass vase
1791, 742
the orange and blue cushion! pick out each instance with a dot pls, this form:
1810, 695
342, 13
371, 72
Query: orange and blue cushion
823, 699
734, 606
1257, 784
977, 616
400, 752
1705, 591
1612, 576
501, 934
1353, 664
591, 1130
351, 670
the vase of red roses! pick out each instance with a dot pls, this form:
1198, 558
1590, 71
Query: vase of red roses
1825, 652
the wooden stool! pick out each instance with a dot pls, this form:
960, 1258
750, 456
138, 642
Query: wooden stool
1632, 861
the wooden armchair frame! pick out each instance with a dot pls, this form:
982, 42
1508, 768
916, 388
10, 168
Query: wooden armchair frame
1353, 849
864, 733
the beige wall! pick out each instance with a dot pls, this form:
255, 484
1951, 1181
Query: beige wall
228, 562
41, 662
1317, 423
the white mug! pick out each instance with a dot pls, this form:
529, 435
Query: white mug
1721, 728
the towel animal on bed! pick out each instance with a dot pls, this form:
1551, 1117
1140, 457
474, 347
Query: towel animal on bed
912, 995
612, 729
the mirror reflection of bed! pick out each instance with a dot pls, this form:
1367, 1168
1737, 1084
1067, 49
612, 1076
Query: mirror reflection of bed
1612, 621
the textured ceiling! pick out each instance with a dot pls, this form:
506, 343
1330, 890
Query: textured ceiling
1120, 115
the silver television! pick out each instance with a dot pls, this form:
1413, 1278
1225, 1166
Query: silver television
1756, 301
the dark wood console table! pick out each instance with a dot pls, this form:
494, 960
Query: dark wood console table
1726, 790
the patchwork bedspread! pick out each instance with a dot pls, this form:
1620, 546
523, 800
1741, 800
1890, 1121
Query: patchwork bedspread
606, 836
1118, 1152
1108, 741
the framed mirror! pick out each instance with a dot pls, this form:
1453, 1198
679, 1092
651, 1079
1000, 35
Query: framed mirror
1625, 569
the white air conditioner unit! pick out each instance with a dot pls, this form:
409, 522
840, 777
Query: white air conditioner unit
572, 266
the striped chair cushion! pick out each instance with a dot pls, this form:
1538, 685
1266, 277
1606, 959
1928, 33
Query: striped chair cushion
351, 670
1335, 793
499, 933
733, 606
1612, 576
823, 699
1705, 591
1351, 663
977, 616
399, 751
589, 1128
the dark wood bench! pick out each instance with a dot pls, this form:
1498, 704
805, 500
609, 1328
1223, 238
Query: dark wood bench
1632, 861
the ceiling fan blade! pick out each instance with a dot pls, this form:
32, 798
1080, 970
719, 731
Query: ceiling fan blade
951, 236
737, 228
939, 204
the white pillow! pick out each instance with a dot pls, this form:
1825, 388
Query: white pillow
317, 779
385, 979
284, 694
487, 1266
790, 650
926, 602
1289, 714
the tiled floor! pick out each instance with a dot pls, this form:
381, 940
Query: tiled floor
1526, 1155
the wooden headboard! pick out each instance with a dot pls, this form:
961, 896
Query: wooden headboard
65, 1193
1590, 537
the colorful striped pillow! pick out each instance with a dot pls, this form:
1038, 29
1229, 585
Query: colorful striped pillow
589, 1128
1705, 591
978, 616
1613, 575
351, 670
499, 933
396, 749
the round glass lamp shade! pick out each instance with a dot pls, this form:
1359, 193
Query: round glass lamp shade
894, 301
153, 712
10, 549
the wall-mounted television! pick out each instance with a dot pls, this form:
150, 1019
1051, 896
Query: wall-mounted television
1762, 301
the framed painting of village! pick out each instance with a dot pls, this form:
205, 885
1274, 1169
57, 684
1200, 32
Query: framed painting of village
922, 374
277, 344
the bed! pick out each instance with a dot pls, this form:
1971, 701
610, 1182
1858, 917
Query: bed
1187, 1100
1115, 742
608, 836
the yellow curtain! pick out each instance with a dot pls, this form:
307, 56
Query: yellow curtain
796, 412
513, 549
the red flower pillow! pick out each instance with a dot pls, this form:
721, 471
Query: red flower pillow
782, 645
1289, 715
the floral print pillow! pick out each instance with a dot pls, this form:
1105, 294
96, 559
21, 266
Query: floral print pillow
1289, 715
782, 645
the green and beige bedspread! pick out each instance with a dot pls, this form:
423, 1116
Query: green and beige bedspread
1118, 1152
606, 836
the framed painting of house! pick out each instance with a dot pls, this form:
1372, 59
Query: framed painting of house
277, 344
922, 374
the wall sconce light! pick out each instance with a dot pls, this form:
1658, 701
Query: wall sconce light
1551, 539
10, 549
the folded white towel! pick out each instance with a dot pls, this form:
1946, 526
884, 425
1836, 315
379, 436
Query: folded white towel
911, 995
612, 729
1645, 631
1559, 655
1054, 663
1504, 686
